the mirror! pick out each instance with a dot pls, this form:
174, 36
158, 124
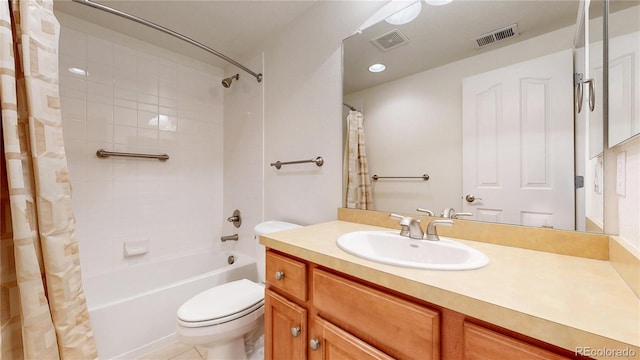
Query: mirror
416, 111
624, 74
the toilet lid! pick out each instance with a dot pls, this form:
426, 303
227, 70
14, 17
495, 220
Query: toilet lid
222, 303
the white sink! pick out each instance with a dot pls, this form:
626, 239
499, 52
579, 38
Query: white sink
388, 247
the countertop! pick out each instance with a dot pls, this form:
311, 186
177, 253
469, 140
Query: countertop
564, 300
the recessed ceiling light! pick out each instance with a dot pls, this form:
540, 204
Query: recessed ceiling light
437, 2
375, 68
405, 15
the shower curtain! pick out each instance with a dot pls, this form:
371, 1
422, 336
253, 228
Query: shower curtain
43, 312
358, 182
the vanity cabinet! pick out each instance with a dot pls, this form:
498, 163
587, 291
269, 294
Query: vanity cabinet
346, 318
331, 343
400, 328
285, 327
315, 313
481, 343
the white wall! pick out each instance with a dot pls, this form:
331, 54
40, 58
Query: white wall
413, 126
303, 97
628, 203
243, 156
176, 205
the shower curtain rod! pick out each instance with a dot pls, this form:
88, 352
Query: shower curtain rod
350, 107
169, 32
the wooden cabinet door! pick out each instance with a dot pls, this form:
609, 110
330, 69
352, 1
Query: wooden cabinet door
398, 327
285, 328
333, 343
480, 344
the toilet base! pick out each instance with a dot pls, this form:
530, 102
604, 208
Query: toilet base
229, 350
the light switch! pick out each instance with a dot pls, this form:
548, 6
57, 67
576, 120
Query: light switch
621, 173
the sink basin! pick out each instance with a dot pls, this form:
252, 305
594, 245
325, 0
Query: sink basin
388, 247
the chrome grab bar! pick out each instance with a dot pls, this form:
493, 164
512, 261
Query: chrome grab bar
424, 177
318, 161
103, 154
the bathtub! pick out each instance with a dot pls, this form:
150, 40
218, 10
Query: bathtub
133, 310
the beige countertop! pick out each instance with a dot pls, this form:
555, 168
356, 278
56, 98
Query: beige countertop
563, 300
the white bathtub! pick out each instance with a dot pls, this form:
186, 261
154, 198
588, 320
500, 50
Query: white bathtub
133, 310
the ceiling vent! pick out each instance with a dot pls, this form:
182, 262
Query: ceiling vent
390, 40
496, 35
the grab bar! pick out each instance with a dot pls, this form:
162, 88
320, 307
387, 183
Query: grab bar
424, 177
318, 161
103, 154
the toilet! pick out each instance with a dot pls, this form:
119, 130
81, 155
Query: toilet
220, 317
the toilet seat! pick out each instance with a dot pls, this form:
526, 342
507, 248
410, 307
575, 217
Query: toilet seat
221, 304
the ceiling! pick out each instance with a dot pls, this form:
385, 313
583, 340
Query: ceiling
443, 34
233, 28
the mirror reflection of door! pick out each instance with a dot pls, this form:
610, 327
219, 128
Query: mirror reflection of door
518, 143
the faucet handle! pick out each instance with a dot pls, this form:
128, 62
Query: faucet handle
432, 233
457, 215
429, 212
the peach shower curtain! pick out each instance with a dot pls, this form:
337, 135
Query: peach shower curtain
359, 194
43, 312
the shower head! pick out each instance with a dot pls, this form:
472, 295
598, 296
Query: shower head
227, 82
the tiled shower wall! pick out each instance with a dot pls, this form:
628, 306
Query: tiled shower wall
140, 101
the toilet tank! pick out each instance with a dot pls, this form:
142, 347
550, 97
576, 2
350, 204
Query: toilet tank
266, 228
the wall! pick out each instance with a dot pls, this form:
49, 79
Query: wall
243, 156
139, 98
628, 202
303, 109
413, 126
303, 105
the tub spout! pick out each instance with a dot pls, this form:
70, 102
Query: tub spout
233, 237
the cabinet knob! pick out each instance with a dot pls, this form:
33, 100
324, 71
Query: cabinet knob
314, 344
279, 275
295, 331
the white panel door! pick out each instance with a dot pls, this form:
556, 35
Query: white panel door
518, 143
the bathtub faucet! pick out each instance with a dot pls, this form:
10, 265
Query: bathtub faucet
233, 237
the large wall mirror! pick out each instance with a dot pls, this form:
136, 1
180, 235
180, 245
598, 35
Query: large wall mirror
479, 96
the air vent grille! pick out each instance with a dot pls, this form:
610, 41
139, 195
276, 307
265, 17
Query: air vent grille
496, 35
390, 40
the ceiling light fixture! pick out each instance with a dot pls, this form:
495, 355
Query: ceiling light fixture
437, 2
405, 15
376, 68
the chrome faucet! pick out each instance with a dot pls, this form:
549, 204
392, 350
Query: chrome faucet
432, 233
447, 213
410, 226
233, 237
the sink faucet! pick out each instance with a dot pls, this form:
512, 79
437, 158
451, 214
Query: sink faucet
450, 213
447, 213
410, 226
432, 233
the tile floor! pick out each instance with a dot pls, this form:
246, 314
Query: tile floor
177, 351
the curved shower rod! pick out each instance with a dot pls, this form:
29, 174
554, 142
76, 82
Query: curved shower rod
169, 32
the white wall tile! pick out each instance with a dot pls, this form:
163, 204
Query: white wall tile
99, 72
130, 102
73, 43
100, 93
99, 50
